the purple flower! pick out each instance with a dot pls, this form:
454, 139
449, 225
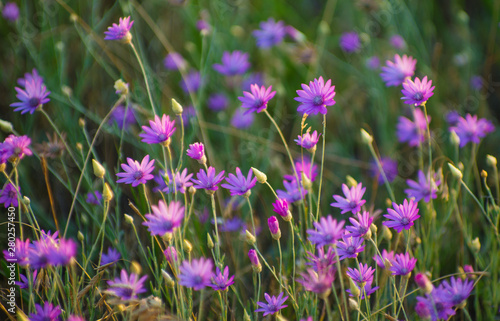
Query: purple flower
122, 117
349, 42
280, 206
273, 305
94, 198
235, 63
203, 26
415, 132
257, 100
208, 180
196, 274
241, 119
217, 102
361, 226
46, 313
386, 256
32, 97
62, 253
471, 129
254, 259
423, 189
182, 182
170, 254
221, 281
270, 33
159, 131
239, 185
197, 151
21, 253
136, 173
315, 97
389, 166
476, 82
307, 167
49, 250
417, 92
403, 216
457, 290
322, 261
318, 281
230, 225
353, 199
362, 275
307, 140
120, 31
452, 117
292, 191
435, 305
373, 62
10, 11
75, 318
296, 35
127, 287
14, 148
33, 76
174, 61
395, 73
8, 196
403, 264
368, 290
274, 226
165, 218
328, 231
24, 283
192, 82
111, 257
253, 78
398, 42
349, 247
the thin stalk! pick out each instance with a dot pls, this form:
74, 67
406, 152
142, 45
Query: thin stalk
145, 77
293, 254
217, 241
321, 171
251, 215
381, 170
281, 261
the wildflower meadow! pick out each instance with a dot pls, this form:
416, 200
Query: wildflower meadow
249, 160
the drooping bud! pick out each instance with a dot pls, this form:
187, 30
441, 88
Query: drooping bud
176, 107
365, 137
455, 171
168, 279
187, 246
250, 238
129, 219
6, 126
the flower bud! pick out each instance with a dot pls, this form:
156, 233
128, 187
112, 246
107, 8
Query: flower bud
99, 170
170, 255
167, 237
250, 238
476, 245
2, 167
373, 228
246, 317
135, 267
79, 146
491, 160
455, 140
210, 243
107, 193
192, 190
80, 236
469, 272
121, 87
168, 279
254, 259
455, 171
306, 182
424, 283
81, 122
261, 177
386, 233
354, 288
274, 227
26, 200
484, 174
365, 137
351, 182
176, 107
353, 304
129, 219
188, 248
6, 126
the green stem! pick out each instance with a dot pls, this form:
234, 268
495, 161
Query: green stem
217, 241
145, 77
321, 171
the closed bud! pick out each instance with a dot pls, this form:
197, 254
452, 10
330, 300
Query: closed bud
250, 238
121, 87
455, 171
80, 236
353, 304
26, 201
167, 237
324, 28
129, 219
2, 167
79, 146
351, 182
386, 233
67, 91
373, 228
168, 279
187, 246
491, 160
99, 170
261, 177
387, 264
274, 227
469, 272
306, 182
6, 126
246, 317
73, 17
81, 122
254, 259
136, 268
107, 193
424, 283
192, 190
354, 288
455, 140
365, 137
476, 245
176, 107
484, 174
237, 31
210, 243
